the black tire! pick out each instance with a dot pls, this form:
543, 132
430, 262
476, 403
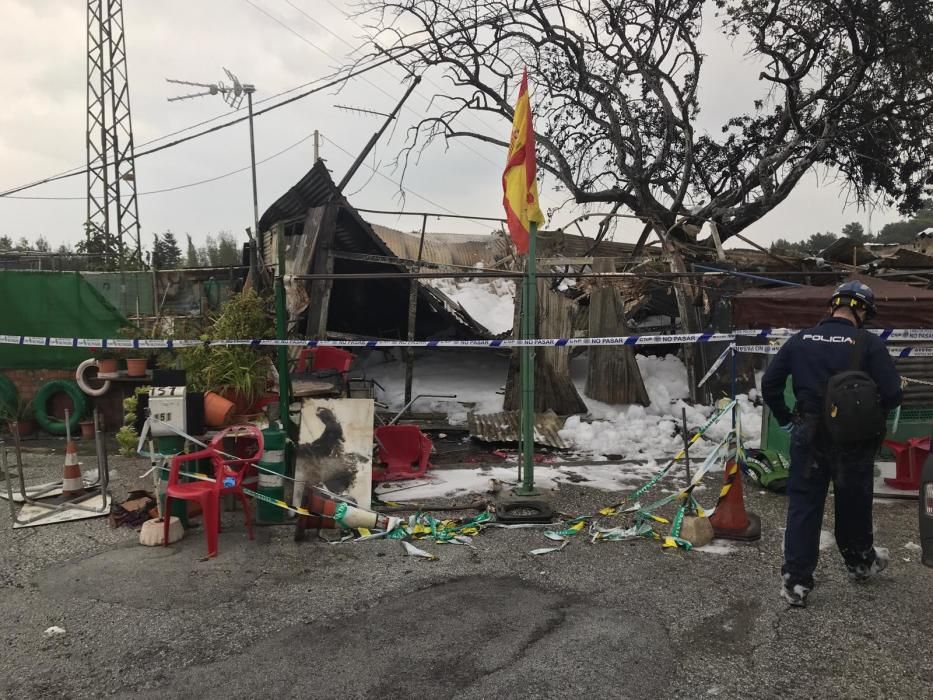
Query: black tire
49, 423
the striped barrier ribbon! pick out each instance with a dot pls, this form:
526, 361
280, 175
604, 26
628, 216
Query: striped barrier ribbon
176, 344
884, 333
616, 509
150, 344
896, 352
717, 364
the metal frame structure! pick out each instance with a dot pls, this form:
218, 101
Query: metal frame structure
50, 509
112, 205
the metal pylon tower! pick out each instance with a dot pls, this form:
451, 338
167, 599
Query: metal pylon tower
112, 210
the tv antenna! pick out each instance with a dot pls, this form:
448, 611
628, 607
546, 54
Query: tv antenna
233, 95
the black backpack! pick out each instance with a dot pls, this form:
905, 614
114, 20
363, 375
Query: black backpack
852, 411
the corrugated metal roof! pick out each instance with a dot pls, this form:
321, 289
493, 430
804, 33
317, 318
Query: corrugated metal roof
314, 189
445, 248
563, 244
353, 234
506, 427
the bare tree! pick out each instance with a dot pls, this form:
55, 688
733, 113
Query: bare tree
846, 85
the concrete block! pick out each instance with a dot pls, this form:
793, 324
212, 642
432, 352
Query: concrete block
696, 530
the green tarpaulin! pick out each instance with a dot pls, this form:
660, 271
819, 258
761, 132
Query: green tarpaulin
58, 304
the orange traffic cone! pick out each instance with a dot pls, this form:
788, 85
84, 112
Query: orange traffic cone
72, 481
730, 521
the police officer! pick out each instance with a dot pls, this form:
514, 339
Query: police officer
812, 357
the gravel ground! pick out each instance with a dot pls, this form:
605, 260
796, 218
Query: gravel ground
275, 618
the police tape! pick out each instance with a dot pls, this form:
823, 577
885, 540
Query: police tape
617, 508
625, 340
773, 348
883, 333
168, 344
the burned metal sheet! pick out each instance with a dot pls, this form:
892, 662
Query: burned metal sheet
506, 427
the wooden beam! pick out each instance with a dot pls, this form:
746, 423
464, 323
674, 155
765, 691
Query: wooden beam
321, 226
612, 374
413, 316
714, 231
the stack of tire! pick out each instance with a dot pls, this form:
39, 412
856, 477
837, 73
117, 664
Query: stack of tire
42, 401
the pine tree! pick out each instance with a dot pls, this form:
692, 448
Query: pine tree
220, 251
166, 255
171, 253
192, 255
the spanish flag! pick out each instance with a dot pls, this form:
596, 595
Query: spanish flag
518, 181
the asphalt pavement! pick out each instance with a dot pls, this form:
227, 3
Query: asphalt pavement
272, 618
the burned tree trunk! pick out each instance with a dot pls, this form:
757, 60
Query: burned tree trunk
554, 389
612, 375
689, 319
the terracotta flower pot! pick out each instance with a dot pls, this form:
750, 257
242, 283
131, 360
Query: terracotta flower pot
240, 402
24, 428
107, 368
136, 366
218, 411
87, 429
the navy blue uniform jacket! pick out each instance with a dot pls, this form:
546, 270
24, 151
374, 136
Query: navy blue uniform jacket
812, 356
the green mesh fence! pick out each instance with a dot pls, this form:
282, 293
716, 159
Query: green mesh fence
51, 304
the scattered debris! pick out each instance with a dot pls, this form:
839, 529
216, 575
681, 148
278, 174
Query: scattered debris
412, 551
717, 547
548, 550
506, 427
54, 631
138, 508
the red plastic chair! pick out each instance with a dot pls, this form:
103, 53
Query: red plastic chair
325, 358
909, 458
239, 465
404, 450
208, 493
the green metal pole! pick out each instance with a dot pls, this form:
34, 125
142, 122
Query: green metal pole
280, 328
527, 367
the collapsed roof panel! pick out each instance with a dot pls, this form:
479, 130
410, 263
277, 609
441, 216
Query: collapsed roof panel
366, 307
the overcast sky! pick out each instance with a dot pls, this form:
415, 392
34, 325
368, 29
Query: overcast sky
42, 122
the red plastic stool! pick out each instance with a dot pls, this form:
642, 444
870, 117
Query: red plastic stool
909, 458
404, 450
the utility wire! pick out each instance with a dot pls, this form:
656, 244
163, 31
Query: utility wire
352, 19
378, 87
386, 177
342, 75
71, 173
190, 184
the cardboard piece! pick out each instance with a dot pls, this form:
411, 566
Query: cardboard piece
65, 515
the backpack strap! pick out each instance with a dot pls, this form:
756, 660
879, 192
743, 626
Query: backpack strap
858, 351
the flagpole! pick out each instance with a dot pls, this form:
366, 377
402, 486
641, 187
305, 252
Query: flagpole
527, 365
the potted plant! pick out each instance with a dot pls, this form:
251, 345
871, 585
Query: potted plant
107, 364
21, 418
236, 373
137, 360
87, 429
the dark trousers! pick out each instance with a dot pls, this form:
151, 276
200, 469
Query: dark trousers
813, 464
